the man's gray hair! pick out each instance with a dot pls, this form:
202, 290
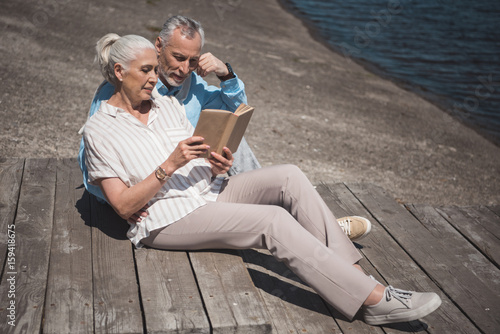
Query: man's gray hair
188, 27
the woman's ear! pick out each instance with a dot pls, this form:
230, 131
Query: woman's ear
119, 71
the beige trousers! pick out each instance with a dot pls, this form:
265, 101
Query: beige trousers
278, 209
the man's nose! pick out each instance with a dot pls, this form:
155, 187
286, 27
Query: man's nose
185, 66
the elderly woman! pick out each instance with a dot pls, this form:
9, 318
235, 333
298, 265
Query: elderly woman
142, 154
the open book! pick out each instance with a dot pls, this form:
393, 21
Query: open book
223, 128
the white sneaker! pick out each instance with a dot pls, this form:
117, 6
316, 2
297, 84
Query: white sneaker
355, 227
401, 306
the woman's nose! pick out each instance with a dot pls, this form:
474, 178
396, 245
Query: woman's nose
153, 77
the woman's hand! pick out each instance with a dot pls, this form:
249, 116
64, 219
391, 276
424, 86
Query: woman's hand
220, 164
185, 151
128, 202
139, 215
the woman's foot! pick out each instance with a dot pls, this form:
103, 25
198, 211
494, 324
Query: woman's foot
399, 305
355, 227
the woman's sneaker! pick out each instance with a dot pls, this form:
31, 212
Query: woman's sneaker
355, 227
401, 306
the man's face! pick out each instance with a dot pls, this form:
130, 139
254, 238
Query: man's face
178, 58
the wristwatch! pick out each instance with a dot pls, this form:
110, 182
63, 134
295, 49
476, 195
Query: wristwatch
230, 75
161, 174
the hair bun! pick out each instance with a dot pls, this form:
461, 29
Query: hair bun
112, 49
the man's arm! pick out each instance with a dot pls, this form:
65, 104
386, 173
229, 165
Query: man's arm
103, 93
232, 90
228, 97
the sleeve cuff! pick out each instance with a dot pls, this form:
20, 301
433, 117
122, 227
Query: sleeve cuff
232, 85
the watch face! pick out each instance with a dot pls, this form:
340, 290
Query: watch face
160, 173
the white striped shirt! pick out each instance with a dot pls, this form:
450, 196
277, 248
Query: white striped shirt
118, 145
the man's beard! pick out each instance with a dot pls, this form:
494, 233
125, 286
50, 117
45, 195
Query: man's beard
164, 76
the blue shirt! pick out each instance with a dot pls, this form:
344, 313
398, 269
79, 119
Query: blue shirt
195, 97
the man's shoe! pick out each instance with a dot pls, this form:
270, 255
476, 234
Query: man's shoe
355, 227
401, 306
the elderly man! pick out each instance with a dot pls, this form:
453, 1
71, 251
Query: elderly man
181, 70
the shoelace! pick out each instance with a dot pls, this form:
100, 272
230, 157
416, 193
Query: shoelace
345, 225
402, 295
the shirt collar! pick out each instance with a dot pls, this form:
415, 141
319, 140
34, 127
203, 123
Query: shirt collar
113, 111
163, 90
107, 108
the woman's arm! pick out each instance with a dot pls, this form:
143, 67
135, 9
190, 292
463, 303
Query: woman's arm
127, 201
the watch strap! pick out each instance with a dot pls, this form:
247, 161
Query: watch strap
230, 75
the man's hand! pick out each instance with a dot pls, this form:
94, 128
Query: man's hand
208, 63
221, 165
139, 215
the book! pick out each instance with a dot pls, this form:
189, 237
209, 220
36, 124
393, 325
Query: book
223, 128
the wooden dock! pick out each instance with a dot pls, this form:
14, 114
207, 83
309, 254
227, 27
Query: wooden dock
67, 266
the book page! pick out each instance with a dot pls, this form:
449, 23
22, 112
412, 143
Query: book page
242, 108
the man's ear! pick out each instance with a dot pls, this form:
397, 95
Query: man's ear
158, 44
119, 71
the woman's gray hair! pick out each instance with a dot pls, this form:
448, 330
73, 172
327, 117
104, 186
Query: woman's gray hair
189, 28
112, 49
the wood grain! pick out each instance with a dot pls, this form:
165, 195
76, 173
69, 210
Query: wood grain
33, 233
430, 254
116, 294
10, 184
172, 302
479, 225
232, 301
69, 300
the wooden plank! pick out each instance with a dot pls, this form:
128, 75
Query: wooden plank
393, 264
495, 209
24, 282
472, 295
342, 203
232, 301
293, 306
170, 296
389, 263
11, 171
479, 225
69, 302
489, 220
116, 295
480, 266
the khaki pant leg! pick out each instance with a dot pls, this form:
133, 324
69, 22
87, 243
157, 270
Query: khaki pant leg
244, 226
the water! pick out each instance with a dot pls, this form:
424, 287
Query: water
446, 50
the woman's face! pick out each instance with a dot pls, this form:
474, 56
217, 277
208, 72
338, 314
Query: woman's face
139, 80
